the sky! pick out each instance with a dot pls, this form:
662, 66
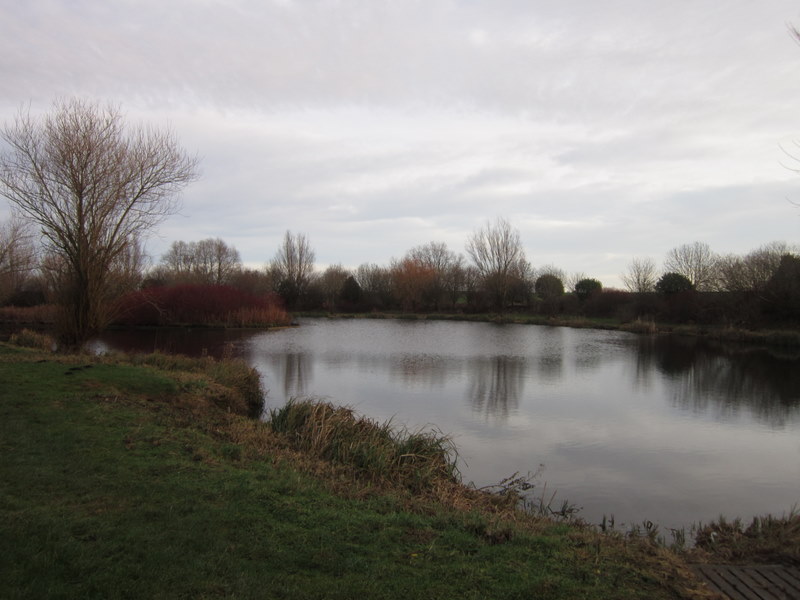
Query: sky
602, 131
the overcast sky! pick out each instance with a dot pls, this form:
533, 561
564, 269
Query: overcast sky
601, 130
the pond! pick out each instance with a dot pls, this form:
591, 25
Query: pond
667, 429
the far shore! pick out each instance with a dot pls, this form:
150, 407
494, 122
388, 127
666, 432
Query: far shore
786, 338
789, 337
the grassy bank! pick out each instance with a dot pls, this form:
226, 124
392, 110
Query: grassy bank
131, 478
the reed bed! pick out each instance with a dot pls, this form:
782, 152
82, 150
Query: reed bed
44, 314
270, 316
766, 539
380, 452
33, 339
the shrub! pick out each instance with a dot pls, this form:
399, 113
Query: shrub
586, 287
33, 339
766, 540
189, 304
609, 303
673, 283
782, 292
43, 314
548, 286
376, 451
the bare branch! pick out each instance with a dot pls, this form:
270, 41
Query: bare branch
94, 187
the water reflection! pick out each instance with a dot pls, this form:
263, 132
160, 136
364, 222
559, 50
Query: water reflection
296, 371
722, 381
665, 428
496, 384
415, 369
703, 378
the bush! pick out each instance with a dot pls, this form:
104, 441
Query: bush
782, 293
42, 314
767, 540
416, 460
609, 303
673, 283
189, 304
586, 287
548, 286
33, 339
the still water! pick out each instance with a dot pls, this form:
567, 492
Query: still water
671, 430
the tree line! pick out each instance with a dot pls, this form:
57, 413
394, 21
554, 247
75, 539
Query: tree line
86, 190
494, 275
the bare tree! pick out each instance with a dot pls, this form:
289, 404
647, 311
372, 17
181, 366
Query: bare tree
292, 267
443, 265
375, 282
696, 262
214, 262
92, 186
17, 257
574, 278
126, 272
550, 270
641, 275
331, 282
455, 279
753, 271
412, 282
177, 263
496, 251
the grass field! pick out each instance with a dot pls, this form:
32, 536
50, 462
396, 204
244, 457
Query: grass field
124, 480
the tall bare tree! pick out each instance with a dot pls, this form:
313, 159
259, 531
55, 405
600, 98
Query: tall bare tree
177, 263
641, 275
330, 283
216, 262
375, 282
696, 262
496, 251
93, 186
210, 261
128, 268
443, 264
572, 280
292, 267
753, 271
17, 256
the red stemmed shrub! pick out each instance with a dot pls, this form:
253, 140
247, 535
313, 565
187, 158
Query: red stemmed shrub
189, 304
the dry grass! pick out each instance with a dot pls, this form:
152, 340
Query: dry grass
767, 540
639, 325
33, 339
44, 314
418, 460
271, 316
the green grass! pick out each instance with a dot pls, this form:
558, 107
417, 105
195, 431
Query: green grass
119, 482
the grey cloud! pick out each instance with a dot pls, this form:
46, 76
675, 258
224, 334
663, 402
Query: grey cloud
605, 130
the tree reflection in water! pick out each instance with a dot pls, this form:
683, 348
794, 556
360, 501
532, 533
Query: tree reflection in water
296, 369
722, 380
496, 384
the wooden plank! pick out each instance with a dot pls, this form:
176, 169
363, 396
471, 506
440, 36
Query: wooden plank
757, 580
790, 577
722, 581
754, 582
